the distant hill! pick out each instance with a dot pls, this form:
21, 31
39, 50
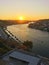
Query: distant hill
12, 22
42, 24
7, 22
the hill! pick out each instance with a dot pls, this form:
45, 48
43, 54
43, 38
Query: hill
40, 25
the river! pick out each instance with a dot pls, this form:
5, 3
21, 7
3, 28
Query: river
39, 38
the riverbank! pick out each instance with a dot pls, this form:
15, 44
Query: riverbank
7, 43
12, 42
42, 25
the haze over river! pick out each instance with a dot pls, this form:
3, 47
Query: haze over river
39, 38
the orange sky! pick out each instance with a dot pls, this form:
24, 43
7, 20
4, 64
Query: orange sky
28, 9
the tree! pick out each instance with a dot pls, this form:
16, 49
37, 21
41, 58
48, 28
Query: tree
28, 44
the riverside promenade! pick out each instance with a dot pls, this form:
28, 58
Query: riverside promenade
5, 34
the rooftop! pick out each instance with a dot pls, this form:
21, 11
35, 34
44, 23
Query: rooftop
21, 57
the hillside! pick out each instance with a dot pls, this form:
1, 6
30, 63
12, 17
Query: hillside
3, 48
40, 25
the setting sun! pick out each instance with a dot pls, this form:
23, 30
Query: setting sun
21, 18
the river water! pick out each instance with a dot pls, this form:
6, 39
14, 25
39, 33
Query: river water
39, 38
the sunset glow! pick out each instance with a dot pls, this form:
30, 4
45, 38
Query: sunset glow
21, 18
31, 9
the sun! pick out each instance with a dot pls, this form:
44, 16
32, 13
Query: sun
21, 18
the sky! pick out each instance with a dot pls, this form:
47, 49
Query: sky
29, 9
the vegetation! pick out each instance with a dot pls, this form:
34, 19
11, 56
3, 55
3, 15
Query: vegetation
26, 45
9, 45
3, 48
